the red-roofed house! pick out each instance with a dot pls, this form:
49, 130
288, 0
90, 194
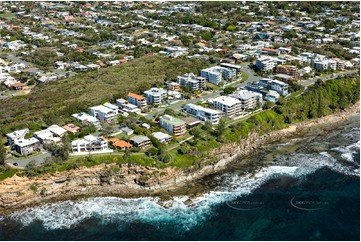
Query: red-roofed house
270, 51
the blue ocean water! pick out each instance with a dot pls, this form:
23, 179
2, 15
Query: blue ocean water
310, 191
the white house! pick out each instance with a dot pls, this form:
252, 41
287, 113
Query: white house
90, 143
103, 113
16, 136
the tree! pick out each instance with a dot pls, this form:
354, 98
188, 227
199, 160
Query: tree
196, 132
208, 127
207, 36
229, 90
2, 152
221, 126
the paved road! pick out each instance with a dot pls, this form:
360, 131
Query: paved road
23, 162
311, 81
18, 60
178, 105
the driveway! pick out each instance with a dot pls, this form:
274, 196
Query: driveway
23, 162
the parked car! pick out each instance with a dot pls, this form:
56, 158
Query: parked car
15, 164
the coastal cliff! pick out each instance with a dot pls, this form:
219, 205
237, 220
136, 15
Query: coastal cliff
138, 181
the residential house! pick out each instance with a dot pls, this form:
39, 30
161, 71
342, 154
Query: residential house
86, 118
137, 100
72, 128
26, 146
127, 107
140, 141
103, 113
53, 133
229, 105
192, 122
162, 137
127, 131
155, 96
16, 136
173, 125
204, 114
270, 51
192, 81
120, 144
90, 143
249, 100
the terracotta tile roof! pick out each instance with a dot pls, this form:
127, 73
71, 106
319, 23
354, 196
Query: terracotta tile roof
71, 127
18, 84
136, 96
269, 49
122, 144
114, 140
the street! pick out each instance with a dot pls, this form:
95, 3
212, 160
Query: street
178, 105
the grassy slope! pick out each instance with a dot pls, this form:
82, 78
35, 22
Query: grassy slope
53, 102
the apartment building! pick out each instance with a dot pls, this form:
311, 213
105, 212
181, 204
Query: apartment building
173, 86
275, 85
194, 82
155, 95
230, 106
204, 114
322, 65
173, 125
265, 63
249, 100
137, 100
231, 66
288, 70
216, 73
340, 64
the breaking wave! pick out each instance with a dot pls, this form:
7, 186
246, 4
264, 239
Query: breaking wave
175, 213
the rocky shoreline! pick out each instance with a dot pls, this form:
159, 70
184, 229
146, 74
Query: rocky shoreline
17, 193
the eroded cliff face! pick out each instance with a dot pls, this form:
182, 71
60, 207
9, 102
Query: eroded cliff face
137, 181
106, 179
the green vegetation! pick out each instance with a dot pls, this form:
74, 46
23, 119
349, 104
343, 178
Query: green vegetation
7, 16
2, 152
317, 101
54, 102
6, 172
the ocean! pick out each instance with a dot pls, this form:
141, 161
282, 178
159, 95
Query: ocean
309, 190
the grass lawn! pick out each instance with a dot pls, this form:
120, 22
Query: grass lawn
212, 86
7, 15
124, 136
244, 76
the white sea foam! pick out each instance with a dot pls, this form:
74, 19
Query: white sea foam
176, 213
348, 151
